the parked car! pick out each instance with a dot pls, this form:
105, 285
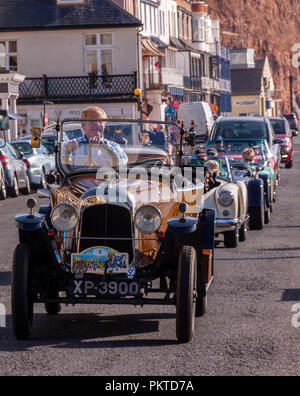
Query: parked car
256, 128
282, 130
292, 120
201, 114
229, 200
3, 191
39, 161
48, 136
107, 234
15, 171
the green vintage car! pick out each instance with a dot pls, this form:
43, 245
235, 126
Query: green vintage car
262, 165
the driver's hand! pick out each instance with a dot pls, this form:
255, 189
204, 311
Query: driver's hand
72, 146
96, 140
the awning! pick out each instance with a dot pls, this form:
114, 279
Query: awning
190, 46
160, 44
177, 43
149, 48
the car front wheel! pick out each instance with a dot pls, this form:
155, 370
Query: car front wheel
27, 189
3, 191
43, 184
231, 238
257, 217
243, 232
186, 294
289, 164
21, 299
15, 192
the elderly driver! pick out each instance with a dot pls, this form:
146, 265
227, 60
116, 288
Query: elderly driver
93, 134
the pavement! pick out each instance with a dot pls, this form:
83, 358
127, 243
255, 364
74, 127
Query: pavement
247, 331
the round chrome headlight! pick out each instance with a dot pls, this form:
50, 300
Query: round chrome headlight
148, 219
225, 199
64, 217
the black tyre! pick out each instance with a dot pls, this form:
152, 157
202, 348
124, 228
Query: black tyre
243, 232
186, 293
257, 217
53, 308
43, 183
27, 189
3, 191
231, 239
21, 300
278, 178
14, 191
289, 164
267, 215
201, 306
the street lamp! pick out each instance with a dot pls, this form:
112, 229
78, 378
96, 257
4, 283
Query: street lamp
243, 27
291, 79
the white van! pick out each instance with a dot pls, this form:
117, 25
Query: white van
200, 113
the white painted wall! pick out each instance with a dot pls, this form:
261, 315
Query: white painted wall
61, 53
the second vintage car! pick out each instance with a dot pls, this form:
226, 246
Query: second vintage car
228, 198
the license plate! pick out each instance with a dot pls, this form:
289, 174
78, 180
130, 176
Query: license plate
100, 260
104, 288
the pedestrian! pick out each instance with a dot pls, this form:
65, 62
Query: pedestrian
192, 136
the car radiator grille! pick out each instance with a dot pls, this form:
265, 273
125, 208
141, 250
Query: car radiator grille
107, 221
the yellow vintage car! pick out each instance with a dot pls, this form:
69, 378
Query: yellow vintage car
115, 231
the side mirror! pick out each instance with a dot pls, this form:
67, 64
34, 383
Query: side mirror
278, 141
21, 155
36, 137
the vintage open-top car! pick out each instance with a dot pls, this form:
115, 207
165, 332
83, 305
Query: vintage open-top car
115, 234
228, 198
258, 175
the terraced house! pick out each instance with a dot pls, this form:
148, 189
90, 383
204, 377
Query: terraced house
73, 53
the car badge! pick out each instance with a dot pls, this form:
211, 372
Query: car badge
131, 271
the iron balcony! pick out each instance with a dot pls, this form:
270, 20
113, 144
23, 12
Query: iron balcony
78, 89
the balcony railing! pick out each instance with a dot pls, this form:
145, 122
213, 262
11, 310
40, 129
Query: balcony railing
194, 82
83, 88
170, 76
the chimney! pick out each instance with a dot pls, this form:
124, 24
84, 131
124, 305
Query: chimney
200, 7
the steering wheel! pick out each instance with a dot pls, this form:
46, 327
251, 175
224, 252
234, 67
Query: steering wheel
252, 173
68, 160
91, 163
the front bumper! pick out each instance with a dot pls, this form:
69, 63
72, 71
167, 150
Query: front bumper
35, 176
286, 154
223, 225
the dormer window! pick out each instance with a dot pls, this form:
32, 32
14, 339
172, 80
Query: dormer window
69, 2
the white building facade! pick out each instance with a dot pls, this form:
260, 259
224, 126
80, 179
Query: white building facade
69, 67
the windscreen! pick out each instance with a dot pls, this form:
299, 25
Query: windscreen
49, 143
241, 130
278, 127
115, 143
23, 147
